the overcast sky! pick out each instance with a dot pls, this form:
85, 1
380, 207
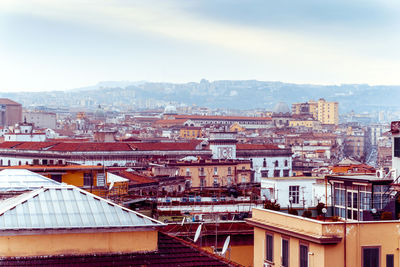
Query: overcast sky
58, 45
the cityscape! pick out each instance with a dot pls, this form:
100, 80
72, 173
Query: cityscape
195, 133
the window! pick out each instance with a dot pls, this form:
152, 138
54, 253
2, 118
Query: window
215, 170
229, 171
87, 179
216, 182
294, 192
303, 256
285, 253
285, 173
244, 179
264, 163
201, 171
264, 173
397, 146
276, 163
101, 181
286, 163
277, 173
389, 260
56, 177
370, 256
269, 245
202, 182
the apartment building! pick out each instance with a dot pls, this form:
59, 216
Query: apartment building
321, 110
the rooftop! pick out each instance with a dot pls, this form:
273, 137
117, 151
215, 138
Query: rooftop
67, 207
172, 251
22, 180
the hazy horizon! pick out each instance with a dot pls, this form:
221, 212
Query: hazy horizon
61, 45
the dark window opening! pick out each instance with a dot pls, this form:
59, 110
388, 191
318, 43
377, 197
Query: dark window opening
370, 257
269, 248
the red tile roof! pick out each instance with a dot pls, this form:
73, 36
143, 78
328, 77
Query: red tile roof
93, 146
136, 178
6, 101
172, 251
255, 146
198, 117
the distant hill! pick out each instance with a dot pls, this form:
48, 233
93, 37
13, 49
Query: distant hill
247, 94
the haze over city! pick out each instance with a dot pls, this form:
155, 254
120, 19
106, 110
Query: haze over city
59, 45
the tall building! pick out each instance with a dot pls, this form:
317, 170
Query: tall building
10, 112
323, 111
328, 112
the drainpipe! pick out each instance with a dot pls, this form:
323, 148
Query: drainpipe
344, 243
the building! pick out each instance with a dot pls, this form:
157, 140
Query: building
285, 240
267, 160
10, 112
190, 132
296, 192
354, 196
40, 119
214, 173
92, 153
245, 122
63, 225
322, 110
328, 112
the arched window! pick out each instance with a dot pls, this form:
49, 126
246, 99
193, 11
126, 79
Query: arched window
264, 163
286, 163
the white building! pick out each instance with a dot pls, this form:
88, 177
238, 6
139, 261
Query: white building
40, 119
298, 192
267, 160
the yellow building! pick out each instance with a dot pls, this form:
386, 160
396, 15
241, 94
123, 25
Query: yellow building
215, 173
286, 240
328, 112
190, 132
304, 123
323, 111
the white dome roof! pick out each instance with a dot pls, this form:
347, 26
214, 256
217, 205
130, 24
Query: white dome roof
282, 108
170, 109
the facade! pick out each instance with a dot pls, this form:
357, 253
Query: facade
41, 119
305, 191
245, 122
328, 112
215, 173
88, 153
267, 160
322, 110
10, 112
308, 123
190, 132
355, 196
286, 240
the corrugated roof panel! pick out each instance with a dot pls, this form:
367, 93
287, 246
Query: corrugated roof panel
22, 180
66, 207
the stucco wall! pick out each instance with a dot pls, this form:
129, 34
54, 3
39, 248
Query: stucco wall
56, 244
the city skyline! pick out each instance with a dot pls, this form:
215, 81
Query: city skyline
63, 45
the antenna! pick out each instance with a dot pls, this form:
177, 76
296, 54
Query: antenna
226, 245
198, 231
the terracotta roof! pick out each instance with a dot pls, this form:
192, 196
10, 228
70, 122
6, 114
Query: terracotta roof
9, 144
167, 146
93, 146
6, 101
136, 178
198, 117
172, 251
38, 168
255, 146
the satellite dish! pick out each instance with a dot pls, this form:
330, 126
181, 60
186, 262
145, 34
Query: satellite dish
183, 221
198, 231
226, 245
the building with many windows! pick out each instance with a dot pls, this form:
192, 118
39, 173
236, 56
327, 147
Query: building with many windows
285, 240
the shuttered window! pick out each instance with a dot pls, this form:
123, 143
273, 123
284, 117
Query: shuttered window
269, 244
285, 253
370, 256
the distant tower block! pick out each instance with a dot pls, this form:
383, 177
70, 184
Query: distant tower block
223, 145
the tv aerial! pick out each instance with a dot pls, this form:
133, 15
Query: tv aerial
197, 235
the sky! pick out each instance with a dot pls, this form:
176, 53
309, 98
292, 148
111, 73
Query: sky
65, 44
